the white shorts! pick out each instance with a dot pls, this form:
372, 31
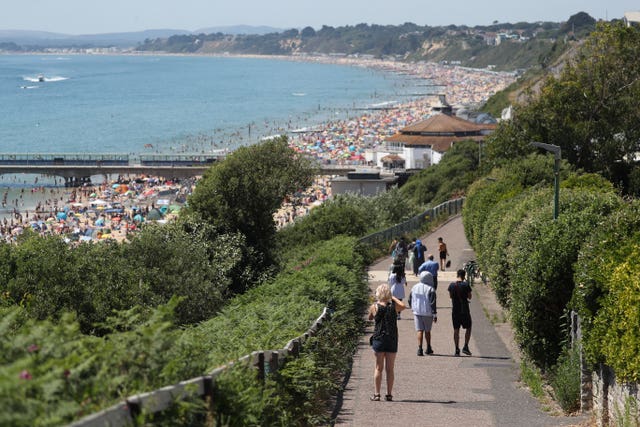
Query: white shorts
423, 323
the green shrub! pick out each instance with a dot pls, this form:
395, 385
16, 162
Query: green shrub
496, 239
446, 180
604, 251
566, 380
617, 323
544, 252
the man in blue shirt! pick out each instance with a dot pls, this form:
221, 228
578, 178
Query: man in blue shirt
432, 267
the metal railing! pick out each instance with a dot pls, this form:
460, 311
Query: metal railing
448, 208
265, 361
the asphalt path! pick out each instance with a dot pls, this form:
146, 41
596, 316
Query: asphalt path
442, 389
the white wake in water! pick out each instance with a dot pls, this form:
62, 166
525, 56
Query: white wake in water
37, 79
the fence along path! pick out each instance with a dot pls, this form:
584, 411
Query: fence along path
265, 361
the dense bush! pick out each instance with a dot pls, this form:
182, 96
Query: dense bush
453, 174
497, 236
47, 276
617, 323
51, 373
544, 252
350, 215
602, 295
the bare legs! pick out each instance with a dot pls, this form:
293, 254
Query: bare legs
427, 338
456, 337
386, 362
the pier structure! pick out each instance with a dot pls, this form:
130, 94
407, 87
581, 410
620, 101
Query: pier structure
77, 168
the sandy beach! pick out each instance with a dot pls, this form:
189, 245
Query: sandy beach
114, 208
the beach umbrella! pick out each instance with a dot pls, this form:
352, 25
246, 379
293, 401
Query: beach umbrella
138, 217
115, 185
61, 215
100, 222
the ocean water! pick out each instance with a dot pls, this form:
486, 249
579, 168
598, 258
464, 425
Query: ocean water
166, 104
134, 104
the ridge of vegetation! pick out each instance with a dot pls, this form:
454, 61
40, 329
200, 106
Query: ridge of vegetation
500, 46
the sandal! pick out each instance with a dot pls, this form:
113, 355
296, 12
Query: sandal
375, 397
388, 398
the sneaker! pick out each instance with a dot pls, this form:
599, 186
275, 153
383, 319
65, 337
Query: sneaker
429, 350
466, 351
457, 352
420, 351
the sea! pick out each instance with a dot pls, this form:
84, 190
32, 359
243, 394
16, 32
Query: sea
172, 104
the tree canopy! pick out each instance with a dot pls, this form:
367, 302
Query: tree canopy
592, 111
242, 193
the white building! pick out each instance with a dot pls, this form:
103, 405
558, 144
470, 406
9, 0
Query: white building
423, 144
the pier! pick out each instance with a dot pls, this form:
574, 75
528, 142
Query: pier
78, 168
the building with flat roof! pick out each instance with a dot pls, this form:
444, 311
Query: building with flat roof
363, 183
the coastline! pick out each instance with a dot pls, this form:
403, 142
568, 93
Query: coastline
341, 141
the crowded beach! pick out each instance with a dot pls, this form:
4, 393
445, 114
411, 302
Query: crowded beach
116, 208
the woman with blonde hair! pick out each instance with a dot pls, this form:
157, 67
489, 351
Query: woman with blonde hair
384, 340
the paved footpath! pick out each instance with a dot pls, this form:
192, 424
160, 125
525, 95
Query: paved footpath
441, 389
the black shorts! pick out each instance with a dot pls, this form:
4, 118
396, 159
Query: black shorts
443, 255
384, 344
461, 319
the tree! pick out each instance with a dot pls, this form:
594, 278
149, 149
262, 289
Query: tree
242, 193
592, 111
307, 32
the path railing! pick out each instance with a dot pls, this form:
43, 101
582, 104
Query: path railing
451, 207
264, 361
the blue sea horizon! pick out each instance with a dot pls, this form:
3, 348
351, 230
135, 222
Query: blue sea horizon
174, 104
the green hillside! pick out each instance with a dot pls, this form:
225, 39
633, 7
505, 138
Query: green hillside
500, 46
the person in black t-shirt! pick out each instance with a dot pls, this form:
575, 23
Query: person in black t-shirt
460, 293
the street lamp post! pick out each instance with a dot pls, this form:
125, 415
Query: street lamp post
556, 173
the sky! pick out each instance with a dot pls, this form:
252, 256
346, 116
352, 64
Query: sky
109, 16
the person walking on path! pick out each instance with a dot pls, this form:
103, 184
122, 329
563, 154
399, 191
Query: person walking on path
397, 283
432, 267
422, 301
460, 293
384, 340
418, 256
443, 253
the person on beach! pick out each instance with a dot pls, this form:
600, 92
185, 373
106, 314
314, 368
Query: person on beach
397, 283
384, 340
422, 301
432, 267
443, 252
460, 293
